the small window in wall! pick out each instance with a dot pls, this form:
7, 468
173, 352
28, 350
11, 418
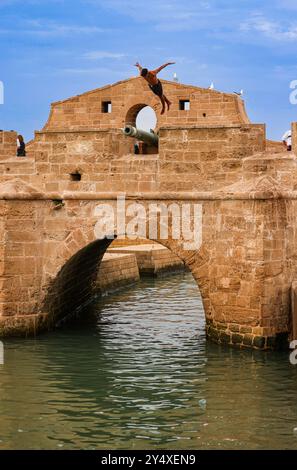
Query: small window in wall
184, 105
106, 106
76, 176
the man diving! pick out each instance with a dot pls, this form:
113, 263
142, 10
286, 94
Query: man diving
154, 83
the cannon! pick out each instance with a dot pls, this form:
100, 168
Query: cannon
149, 138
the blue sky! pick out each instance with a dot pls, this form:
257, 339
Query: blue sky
54, 49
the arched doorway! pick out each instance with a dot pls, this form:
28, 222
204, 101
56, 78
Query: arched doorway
144, 118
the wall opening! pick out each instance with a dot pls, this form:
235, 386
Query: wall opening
75, 176
146, 119
106, 106
142, 117
184, 105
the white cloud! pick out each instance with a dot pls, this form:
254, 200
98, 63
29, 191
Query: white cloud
95, 71
167, 15
271, 29
97, 55
86, 71
38, 27
55, 29
221, 18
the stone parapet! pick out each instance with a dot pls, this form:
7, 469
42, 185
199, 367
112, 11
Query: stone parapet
128, 97
8, 144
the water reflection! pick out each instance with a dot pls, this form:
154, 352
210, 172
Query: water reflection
141, 375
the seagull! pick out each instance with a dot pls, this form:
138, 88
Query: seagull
239, 94
175, 77
211, 87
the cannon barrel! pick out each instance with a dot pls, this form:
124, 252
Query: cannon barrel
148, 137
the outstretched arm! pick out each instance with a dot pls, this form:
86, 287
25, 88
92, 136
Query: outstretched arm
162, 67
138, 66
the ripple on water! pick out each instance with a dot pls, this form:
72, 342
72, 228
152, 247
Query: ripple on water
142, 376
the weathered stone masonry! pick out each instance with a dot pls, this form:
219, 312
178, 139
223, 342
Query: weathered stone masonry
211, 155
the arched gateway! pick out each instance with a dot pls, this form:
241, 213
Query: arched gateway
209, 156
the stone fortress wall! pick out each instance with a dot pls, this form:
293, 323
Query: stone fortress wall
210, 154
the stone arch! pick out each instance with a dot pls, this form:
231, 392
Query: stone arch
133, 112
146, 119
71, 272
131, 117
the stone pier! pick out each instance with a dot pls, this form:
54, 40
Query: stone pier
152, 260
117, 271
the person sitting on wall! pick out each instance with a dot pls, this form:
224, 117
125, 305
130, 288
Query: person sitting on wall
21, 146
287, 140
154, 83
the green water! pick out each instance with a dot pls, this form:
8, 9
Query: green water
141, 376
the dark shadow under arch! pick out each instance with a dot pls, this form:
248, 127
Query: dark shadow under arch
73, 289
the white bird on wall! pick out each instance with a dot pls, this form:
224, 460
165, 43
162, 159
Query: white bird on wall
175, 77
239, 94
